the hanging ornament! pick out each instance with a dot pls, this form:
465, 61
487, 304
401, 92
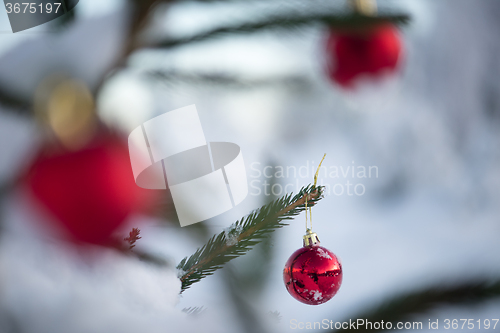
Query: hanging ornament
312, 274
89, 191
369, 50
82, 174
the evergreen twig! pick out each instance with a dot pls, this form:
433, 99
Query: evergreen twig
22, 105
227, 80
286, 22
12, 102
194, 311
243, 235
406, 306
133, 237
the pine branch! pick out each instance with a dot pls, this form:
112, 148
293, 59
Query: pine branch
287, 22
243, 235
405, 306
228, 80
194, 311
14, 103
141, 14
275, 315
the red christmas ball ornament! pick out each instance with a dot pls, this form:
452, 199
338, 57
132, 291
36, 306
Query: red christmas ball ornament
90, 191
312, 274
369, 52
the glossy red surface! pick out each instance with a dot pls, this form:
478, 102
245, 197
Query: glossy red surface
370, 52
90, 192
313, 275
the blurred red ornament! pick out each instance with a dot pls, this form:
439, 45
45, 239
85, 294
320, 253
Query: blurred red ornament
312, 274
370, 51
90, 191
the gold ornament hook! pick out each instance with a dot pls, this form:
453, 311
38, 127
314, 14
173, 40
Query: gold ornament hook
310, 238
315, 182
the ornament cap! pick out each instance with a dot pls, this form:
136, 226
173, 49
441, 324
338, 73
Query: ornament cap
310, 238
365, 7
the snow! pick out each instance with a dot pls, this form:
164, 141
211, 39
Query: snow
48, 285
317, 295
322, 253
98, 287
232, 234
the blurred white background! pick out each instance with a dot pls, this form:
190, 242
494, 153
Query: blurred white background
429, 218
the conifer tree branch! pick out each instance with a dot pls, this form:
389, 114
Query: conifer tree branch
407, 305
287, 22
13, 103
141, 14
226, 79
244, 234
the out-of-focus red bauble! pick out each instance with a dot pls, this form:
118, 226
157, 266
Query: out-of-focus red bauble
90, 191
369, 51
313, 275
